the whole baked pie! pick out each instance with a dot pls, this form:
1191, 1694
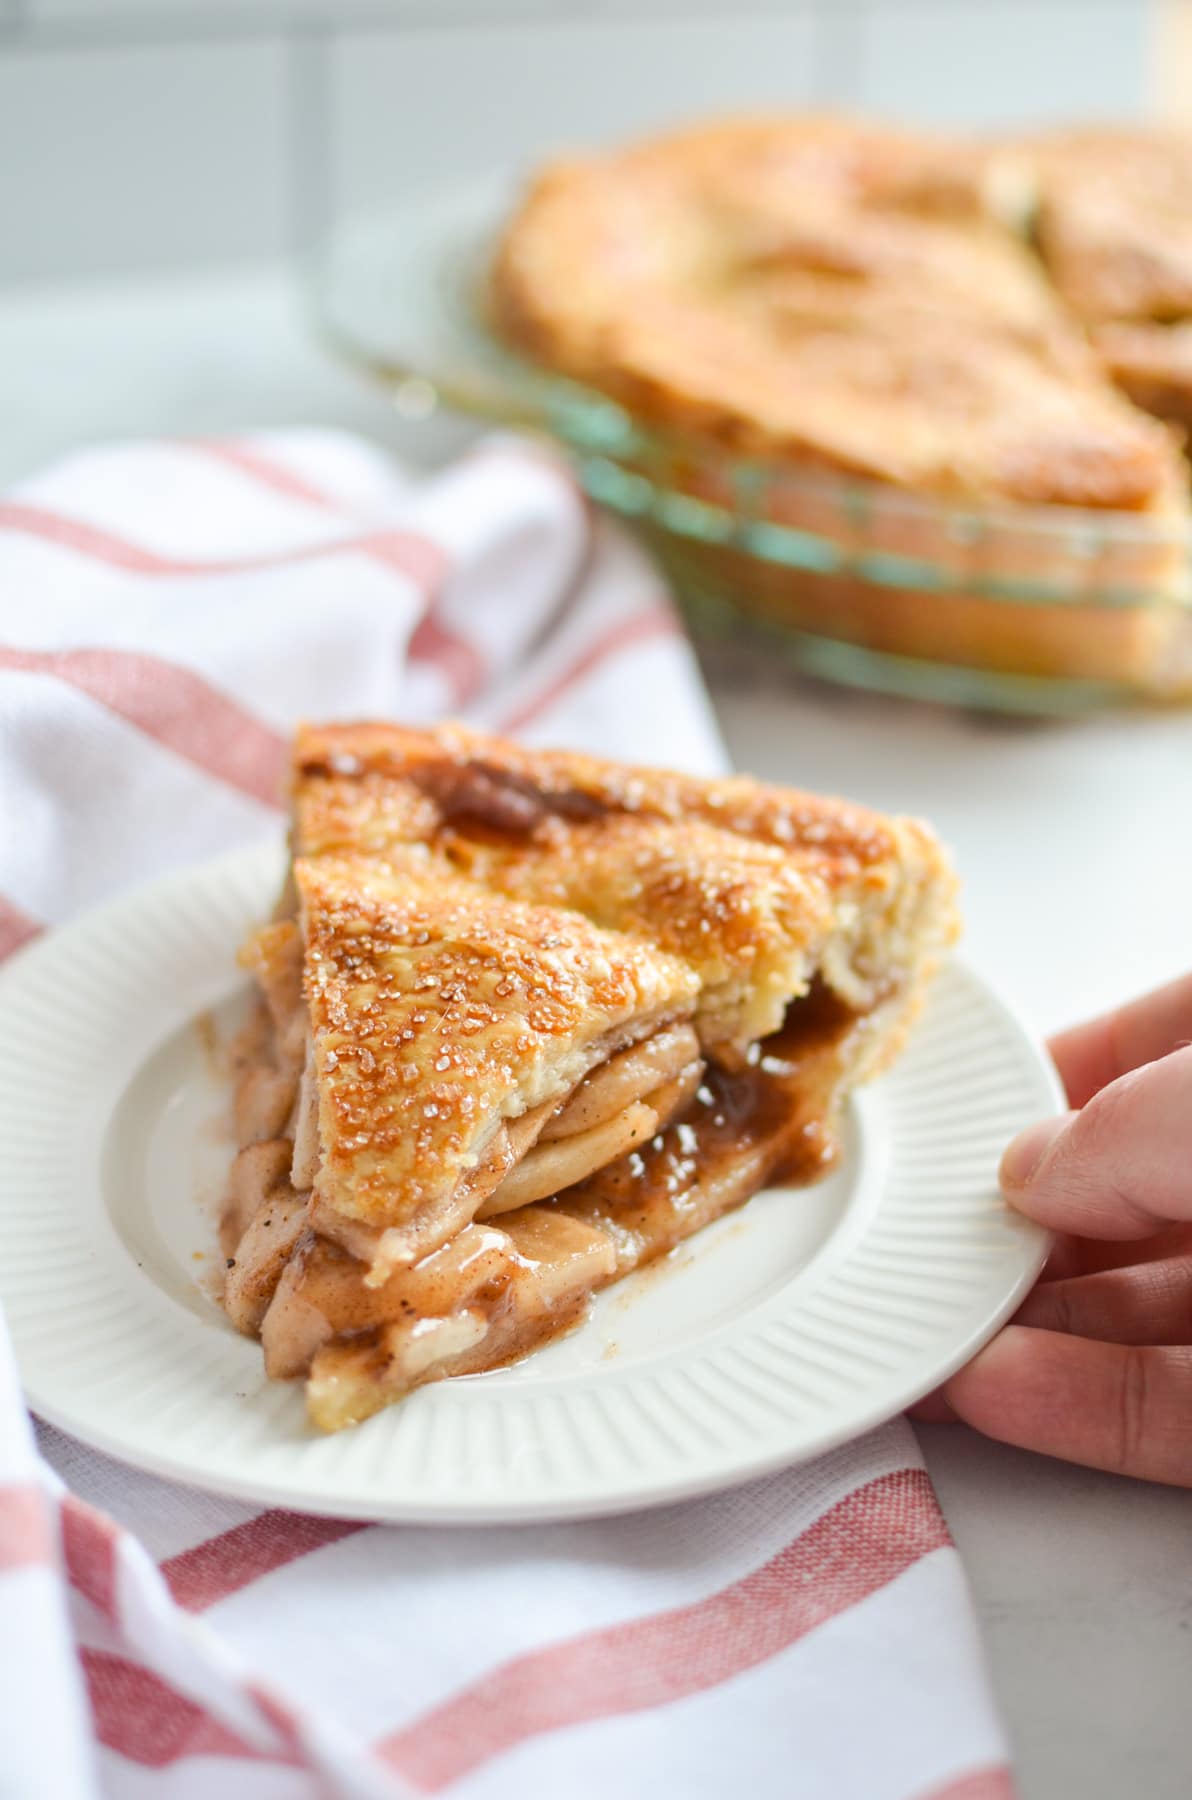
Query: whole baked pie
976, 328
858, 299
526, 1020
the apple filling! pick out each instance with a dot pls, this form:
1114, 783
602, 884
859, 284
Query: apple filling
619, 1106
646, 1149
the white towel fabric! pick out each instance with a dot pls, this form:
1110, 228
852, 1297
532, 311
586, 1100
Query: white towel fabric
167, 613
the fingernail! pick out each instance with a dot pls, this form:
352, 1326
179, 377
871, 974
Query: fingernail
1022, 1158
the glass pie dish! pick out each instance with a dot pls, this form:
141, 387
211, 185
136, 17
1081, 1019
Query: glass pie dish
1008, 607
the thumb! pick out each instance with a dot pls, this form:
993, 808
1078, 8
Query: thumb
1119, 1168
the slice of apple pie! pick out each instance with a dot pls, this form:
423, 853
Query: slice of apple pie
525, 1021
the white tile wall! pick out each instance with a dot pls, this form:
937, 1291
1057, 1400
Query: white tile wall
635, 9
1012, 62
137, 133
172, 15
122, 18
408, 108
136, 158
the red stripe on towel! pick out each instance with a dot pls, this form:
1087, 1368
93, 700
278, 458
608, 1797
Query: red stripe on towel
175, 707
223, 1565
858, 1546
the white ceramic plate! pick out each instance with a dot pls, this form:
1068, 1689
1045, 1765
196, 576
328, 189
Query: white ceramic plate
801, 1321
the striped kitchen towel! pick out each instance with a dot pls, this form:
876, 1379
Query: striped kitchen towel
167, 613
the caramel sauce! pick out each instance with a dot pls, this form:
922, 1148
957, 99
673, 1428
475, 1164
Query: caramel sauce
789, 1101
207, 1032
769, 1121
490, 802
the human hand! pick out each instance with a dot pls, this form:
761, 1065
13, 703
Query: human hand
1096, 1366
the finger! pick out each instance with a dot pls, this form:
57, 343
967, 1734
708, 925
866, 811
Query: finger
1150, 1303
1067, 1257
1119, 1168
932, 1409
1072, 1256
1092, 1055
1110, 1406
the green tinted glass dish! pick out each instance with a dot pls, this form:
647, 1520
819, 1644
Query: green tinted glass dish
1039, 609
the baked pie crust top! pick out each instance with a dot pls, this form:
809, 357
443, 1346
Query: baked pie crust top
845, 297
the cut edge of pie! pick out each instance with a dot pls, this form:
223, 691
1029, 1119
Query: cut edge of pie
492, 1068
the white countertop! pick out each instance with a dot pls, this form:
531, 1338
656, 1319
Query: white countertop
1075, 845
